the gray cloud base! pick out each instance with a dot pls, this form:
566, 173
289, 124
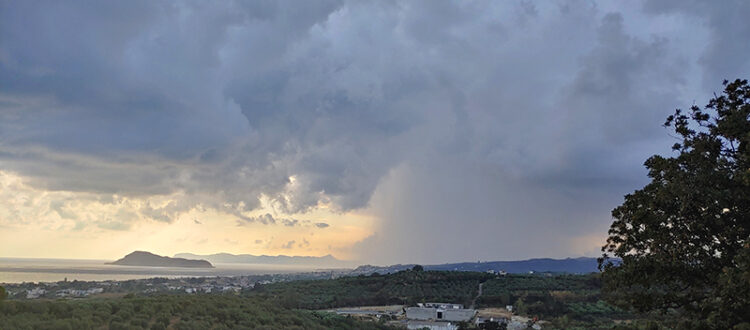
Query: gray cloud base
552, 106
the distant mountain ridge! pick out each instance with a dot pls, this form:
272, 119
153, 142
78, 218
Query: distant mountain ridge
148, 259
582, 265
227, 258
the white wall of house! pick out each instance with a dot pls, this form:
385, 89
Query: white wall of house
421, 313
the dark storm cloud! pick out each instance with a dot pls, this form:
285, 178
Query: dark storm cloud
727, 26
508, 116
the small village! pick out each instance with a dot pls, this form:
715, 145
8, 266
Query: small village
429, 315
187, 285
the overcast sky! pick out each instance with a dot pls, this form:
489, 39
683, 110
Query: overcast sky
382, 132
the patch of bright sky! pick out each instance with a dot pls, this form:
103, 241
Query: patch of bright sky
62, 224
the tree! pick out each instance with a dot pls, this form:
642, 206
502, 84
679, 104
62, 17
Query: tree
417, 268
3, 293
684, 238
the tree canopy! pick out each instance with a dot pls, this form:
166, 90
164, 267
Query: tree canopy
683, 239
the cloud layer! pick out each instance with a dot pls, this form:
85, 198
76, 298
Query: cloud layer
445, 120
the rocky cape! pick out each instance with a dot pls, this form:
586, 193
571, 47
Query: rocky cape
148, 259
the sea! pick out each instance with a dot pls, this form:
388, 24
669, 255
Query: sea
20, 270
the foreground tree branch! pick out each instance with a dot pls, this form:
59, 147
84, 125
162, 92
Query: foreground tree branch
681, 244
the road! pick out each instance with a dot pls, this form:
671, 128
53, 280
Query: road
479, 293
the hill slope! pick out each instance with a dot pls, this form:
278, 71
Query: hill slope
581, 265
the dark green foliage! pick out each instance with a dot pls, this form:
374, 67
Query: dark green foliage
508, 289
684, 238
565, 299
406, 287
3, 293
417, 268
160, 312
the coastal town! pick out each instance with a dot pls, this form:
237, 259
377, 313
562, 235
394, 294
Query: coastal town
430, 315
185, 285
437, 316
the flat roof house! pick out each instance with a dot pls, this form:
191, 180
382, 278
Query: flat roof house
439, 312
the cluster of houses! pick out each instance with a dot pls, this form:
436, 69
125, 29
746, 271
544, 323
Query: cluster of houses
497, 272
38, 292
434, 316
217, 285
443, 316
209, 288
78, 293
65, 289
35, 293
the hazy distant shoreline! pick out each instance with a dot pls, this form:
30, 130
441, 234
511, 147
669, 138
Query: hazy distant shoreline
17, 270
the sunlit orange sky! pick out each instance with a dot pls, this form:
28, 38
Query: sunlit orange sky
377, 132
63, 224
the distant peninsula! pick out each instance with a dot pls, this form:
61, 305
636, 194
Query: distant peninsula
324, 261
148, 259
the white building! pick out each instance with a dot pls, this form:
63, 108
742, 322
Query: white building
35, 293
78, 293
231, 288
431, 325
440, 312
441, 305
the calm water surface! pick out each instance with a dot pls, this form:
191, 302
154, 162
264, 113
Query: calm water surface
18, 270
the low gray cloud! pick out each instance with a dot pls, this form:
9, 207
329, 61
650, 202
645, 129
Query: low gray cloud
113, 225
724, 27
290, 222
513, 118
288, 245
303, 244
268, 219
